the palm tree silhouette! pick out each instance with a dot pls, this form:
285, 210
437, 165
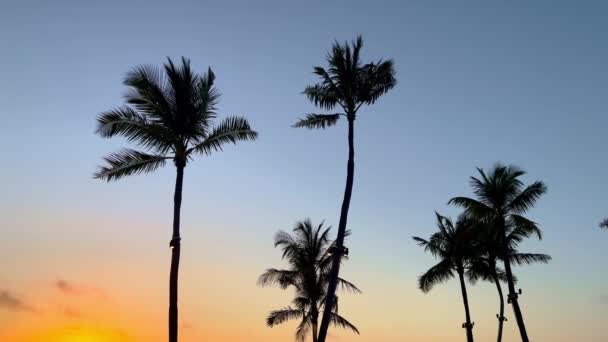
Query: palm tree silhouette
484, 266
169, 115
502, 199
604, 223
346, 84
453, 245
307, 252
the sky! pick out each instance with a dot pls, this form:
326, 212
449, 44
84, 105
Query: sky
522, 82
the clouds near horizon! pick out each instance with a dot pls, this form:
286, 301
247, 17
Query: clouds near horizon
12, 302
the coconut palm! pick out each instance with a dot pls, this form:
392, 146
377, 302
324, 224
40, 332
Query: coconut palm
307, 251
604, 223
454, 246
170, 115
484, 266
502, 198
347, 85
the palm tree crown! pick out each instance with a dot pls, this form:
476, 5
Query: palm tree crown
347, 84
170, 115
452, 245
306, 251
502, 194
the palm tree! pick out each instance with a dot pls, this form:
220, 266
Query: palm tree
454, 245
347, 84
604, 223
307, 252
502, 198
484, 266
170, 116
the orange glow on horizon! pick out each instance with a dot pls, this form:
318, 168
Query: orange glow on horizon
79, 334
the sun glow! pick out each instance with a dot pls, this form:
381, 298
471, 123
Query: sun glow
82, 334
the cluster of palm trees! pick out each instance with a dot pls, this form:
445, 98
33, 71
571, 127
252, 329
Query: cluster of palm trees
171, 115
485, 235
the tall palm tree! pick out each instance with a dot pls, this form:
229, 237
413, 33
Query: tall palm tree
604, 223
307, 252
484, 266
347, 84
453, 246
502, 198
170, 115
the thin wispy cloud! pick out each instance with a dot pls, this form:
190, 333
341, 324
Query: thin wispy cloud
12, 302
66, 287
72, 289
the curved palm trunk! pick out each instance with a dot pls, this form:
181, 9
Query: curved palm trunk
511, 284
501, 314
175, 254
468, 325
335, 266
315, 329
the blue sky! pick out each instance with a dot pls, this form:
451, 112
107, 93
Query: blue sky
479, 81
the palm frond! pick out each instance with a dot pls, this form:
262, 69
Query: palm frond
230, 130
277, 317
348, 286
208, 97
529, 258
341, 322
429, 246
129, 162
523, 227
312, 121
148, 93
303, 328
476, 208
376, 79
526, 199
136, 128
480, 269
283, 278
437, 274
322, 95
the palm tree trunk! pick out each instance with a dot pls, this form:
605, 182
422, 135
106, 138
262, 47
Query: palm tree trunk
175, 254
315, 330
513, 299
335, 266
468, 325
501, 314
511, 284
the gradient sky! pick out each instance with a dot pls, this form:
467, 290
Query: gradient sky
523, 82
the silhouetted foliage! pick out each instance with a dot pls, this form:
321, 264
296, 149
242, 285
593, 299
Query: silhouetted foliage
347, 84
484, 266
604, 223
454, 246
501, 200
170, 114
306, 251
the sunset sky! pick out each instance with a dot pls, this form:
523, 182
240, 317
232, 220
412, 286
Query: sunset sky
523, 82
